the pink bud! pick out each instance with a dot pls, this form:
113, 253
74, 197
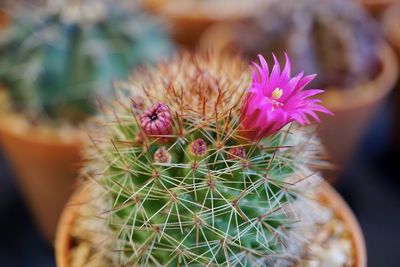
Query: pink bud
198, 147
162, 155
157, 120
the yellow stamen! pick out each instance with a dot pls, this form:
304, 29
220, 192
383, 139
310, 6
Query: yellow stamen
277, 93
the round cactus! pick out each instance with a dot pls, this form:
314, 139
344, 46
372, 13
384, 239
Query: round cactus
187, 180
334, 38
57, 56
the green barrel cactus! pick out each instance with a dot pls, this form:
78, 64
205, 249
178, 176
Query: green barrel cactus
194, 168
57, 57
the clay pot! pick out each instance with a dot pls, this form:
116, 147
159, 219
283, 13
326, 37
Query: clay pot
377, 7
45, 162
331, 198
327, 195
64, 241
189, 19
391, 27
4, 19
353, 108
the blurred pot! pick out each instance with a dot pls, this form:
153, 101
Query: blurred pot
45, 162
64, 240
332, 199
328, 196
391, 26
189, 19
353, 108
377, 7
4, 19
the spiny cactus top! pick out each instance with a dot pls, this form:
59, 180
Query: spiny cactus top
199, 166
56, 57
335, 38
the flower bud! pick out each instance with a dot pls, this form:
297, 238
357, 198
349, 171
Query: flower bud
157, 120
162, 155
198, 147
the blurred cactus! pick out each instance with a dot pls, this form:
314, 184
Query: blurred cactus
182, 187
55, 57
334, 38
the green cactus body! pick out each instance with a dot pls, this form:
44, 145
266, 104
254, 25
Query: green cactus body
57, 57
202, 196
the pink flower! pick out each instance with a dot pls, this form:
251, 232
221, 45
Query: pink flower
275, 99
157, 120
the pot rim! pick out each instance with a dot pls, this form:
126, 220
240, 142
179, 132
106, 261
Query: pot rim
20, 128
391, 24
198, 12
373, 3
327, 194
368, 92
65, 226
17, 126
344, 212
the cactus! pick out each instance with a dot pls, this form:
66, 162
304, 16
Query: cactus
56, 57
183, 179
334, 38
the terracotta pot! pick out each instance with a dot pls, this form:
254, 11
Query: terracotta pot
189, 19
327, 194
4, 19
353, 108
64, 241
332, 199
377, 7
391, 26
45, 163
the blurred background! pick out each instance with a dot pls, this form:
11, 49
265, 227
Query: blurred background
59, 59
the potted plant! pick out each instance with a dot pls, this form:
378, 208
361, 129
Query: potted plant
204, 162
55, 58
189, 18
340, 42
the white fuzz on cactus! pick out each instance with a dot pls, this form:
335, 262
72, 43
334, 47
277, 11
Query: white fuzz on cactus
185, 179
